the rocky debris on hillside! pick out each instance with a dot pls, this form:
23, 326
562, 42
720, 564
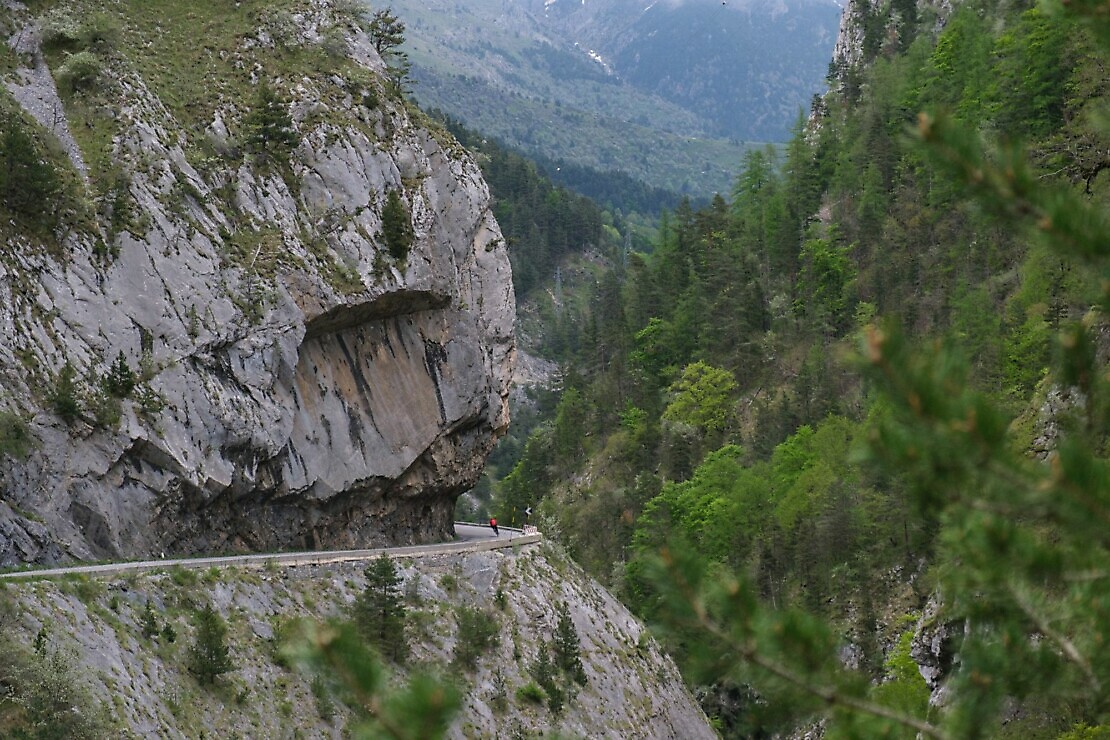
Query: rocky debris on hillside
631, 689
933, 649
1059, 403
34, 89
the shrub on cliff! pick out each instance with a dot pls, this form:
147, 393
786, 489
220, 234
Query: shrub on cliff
79, 72
15, 436
29, 184
41, 697
396, 226
60, 30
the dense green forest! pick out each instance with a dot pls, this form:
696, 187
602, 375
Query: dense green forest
612, 190
871, 375
544, 223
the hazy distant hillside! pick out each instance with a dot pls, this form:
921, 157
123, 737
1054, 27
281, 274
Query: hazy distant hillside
667, 93
744, 67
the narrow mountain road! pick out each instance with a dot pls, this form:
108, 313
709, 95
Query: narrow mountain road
469, 538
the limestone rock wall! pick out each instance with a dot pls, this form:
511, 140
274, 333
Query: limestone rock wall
848, 51
299, 386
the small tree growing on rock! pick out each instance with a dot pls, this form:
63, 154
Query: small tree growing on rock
396, 226
30, 186
387, 31
477, 634
270, 131
545, 673
209, 657
120, 380
63, 398
379, 611
567, 648
149, 621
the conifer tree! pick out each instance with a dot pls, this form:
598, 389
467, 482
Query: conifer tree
477, 634
396, 225
544, 670
209, 656
121, 379
63, 397
149, 621
567, 649
379, 611
29, 184
387, 31
270, 131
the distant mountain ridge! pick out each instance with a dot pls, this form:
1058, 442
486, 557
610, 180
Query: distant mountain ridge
667, 92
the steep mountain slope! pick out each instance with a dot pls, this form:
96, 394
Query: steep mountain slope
630, 688
260, 301
668, 93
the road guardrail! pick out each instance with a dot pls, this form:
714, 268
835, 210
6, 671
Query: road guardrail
516, 538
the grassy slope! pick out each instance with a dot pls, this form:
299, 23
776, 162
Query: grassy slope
197, 58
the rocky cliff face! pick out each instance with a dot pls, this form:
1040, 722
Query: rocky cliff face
868, 27
297, 383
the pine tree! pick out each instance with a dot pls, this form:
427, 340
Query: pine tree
149, 621
379, 611
545, 672
387, 31
29, 184
63, 398
477, 634
209, 656
120, 380
567, 649
270, 131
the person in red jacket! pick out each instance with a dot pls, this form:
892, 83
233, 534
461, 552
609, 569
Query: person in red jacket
493, 526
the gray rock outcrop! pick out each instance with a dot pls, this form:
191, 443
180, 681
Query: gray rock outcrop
298, 384
849, 49
934, 649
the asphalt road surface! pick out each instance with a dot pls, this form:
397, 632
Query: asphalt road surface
468, 538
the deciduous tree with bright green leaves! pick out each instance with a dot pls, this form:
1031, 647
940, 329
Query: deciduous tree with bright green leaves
702, 398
